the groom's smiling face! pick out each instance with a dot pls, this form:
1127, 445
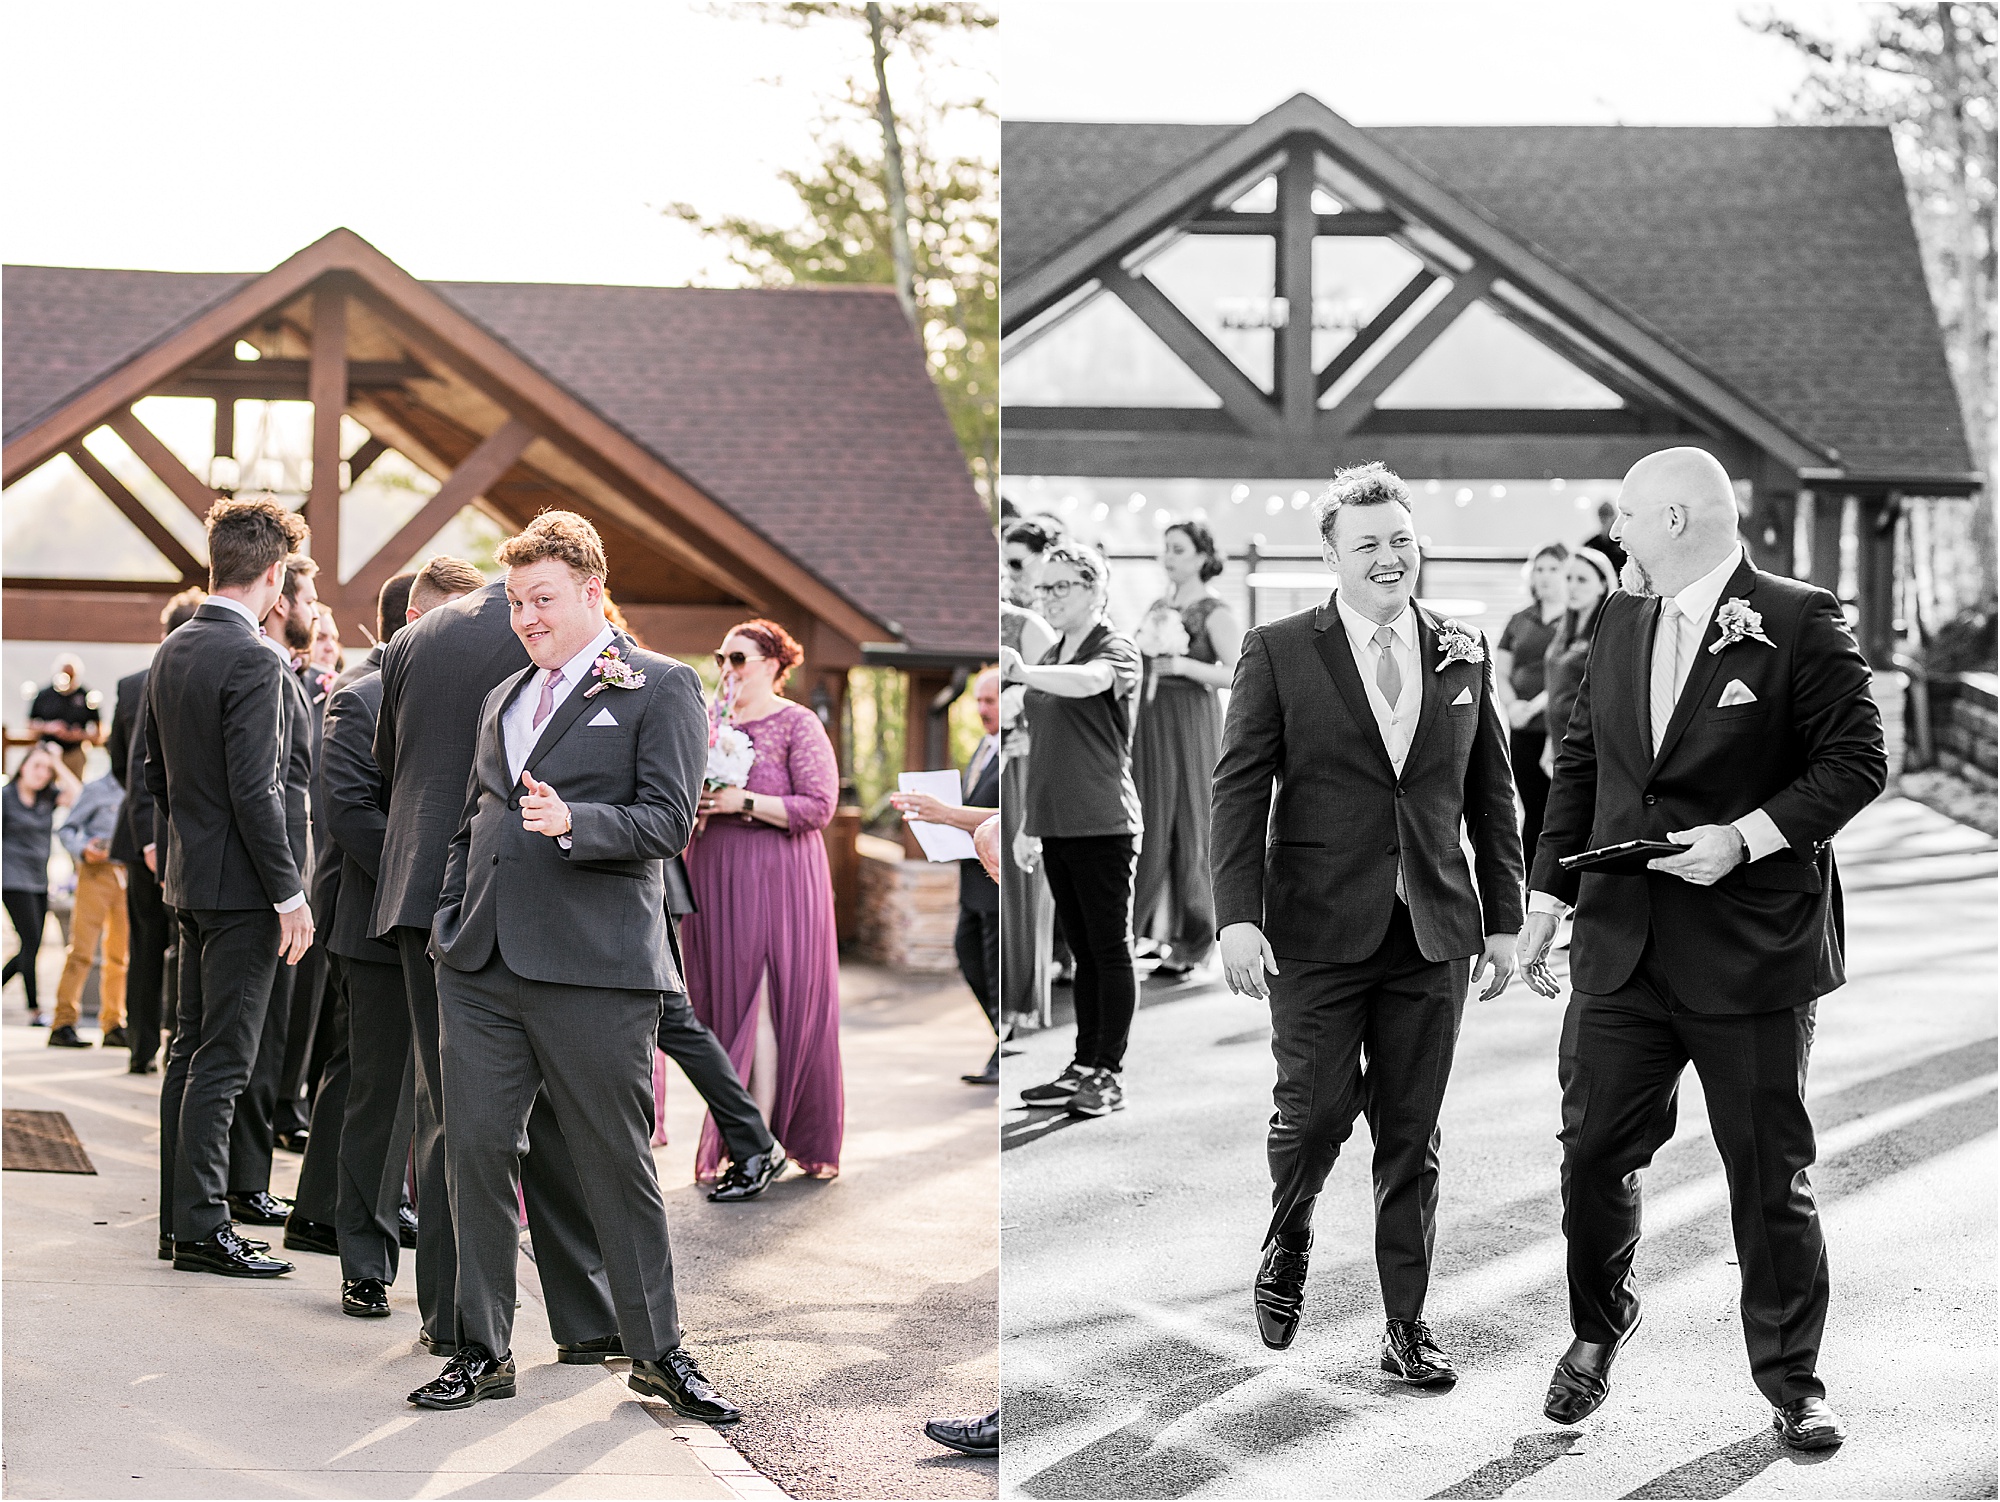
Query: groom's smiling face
555, 611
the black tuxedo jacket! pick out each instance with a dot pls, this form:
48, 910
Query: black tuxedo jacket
216, 765
118, 746
301, 758
977, 890
354, 798
436, 673
1311, 820
327, 868
596, 913
1807, 750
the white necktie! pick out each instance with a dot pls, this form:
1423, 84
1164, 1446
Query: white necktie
1666, 670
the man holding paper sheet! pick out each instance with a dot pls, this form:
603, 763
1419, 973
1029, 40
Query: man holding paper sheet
977, 942
1728, 711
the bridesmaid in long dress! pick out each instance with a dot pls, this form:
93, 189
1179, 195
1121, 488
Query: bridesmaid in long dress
1174, 753
762, 962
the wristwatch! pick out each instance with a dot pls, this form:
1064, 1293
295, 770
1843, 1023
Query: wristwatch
749, 804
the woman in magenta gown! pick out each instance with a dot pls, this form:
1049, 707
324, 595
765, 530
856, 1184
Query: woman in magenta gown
763, 969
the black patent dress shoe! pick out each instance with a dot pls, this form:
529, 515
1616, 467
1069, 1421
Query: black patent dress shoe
292, 1142
228, 1254
1280, 1295
589, 1352
1411, 1354
968, 1436
259, 1207
65, 1037
302, 1235
748, 1179
437, 1347
166, 1252
470, 1375
676, 1378
1582, 1379
406, 1226
1808, 1424
114, 1037
364, 1298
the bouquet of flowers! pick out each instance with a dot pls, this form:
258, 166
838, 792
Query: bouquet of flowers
730, 751
1161, 634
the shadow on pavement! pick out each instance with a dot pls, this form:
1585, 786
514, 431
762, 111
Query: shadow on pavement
1721, 1472
1034, 1124
1531, 1452
1125, 1462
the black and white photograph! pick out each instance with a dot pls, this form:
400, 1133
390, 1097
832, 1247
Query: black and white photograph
1497, 707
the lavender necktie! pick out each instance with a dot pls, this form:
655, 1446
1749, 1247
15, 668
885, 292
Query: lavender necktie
548, 701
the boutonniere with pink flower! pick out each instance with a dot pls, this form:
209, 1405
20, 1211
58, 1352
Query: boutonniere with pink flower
1456, 644
1739, 623
612, 671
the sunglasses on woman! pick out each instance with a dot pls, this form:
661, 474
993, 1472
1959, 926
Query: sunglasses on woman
734, 660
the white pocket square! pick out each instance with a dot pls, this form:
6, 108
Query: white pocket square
1464, 697
603, 717
1735, 694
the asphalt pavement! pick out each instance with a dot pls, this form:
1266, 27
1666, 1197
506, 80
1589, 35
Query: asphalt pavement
839, 1315
1133, 1369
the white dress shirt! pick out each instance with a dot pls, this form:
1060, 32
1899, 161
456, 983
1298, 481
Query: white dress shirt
297, 899
981, 754
517, 724
1697, 605
1397, 723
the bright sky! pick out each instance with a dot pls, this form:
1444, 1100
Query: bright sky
500, 142
1465, 62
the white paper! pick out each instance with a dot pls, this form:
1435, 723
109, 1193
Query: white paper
941, 842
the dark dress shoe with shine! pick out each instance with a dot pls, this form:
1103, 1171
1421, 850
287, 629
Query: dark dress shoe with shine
590, 1352
228, 1254
364, 1298
65, 1037
968, 1436
292, 1142
149, 1067
302, 1235
258, 1207
676, 1378
1280, 1295
748, 1179
1582, 1379
166, 1252
470, 1375
1808, 1424
437, 1347
114, 1037
1411, 1353
406, 1226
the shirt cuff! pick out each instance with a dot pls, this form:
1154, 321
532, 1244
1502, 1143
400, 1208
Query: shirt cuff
1545, 903
150, 848
563, 840
1760, 833
292, 903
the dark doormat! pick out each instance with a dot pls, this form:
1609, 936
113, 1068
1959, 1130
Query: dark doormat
41, 1142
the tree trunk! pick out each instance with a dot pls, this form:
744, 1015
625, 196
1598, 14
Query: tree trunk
892, 173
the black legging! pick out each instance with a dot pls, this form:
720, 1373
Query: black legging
29, 912
1090, 878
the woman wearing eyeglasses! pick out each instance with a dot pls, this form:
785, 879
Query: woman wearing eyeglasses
1083, 819
763, 969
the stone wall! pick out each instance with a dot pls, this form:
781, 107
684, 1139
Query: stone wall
908, 907
1965, 726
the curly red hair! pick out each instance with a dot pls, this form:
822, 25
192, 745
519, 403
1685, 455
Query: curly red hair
774, 642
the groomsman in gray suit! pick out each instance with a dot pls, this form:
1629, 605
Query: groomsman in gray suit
553, 949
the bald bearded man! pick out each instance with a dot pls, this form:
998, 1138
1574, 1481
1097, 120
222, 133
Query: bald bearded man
1727, 710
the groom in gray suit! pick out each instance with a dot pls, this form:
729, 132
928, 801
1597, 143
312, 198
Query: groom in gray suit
553, 950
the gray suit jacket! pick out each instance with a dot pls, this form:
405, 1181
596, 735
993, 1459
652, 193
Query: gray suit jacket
594, 914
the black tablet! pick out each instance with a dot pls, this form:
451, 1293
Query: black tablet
1628, 859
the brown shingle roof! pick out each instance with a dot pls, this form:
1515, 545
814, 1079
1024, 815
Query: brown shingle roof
1781, 259
807, 412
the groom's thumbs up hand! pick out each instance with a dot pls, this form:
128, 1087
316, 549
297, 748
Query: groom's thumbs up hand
542, 812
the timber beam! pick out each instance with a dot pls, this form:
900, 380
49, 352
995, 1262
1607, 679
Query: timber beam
163, 462
1223, 222
193, 570
1239, 395
481, 468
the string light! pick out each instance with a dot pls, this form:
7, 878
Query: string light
1238, 494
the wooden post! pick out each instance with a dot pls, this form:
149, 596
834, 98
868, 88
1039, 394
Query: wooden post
1825, 561
326, 386
921, 751
225, 429
1768, 532
1875, 578
1291, 363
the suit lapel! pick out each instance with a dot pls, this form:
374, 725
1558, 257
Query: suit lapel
1431, 683
1337, 653
1701, 675
567, 712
